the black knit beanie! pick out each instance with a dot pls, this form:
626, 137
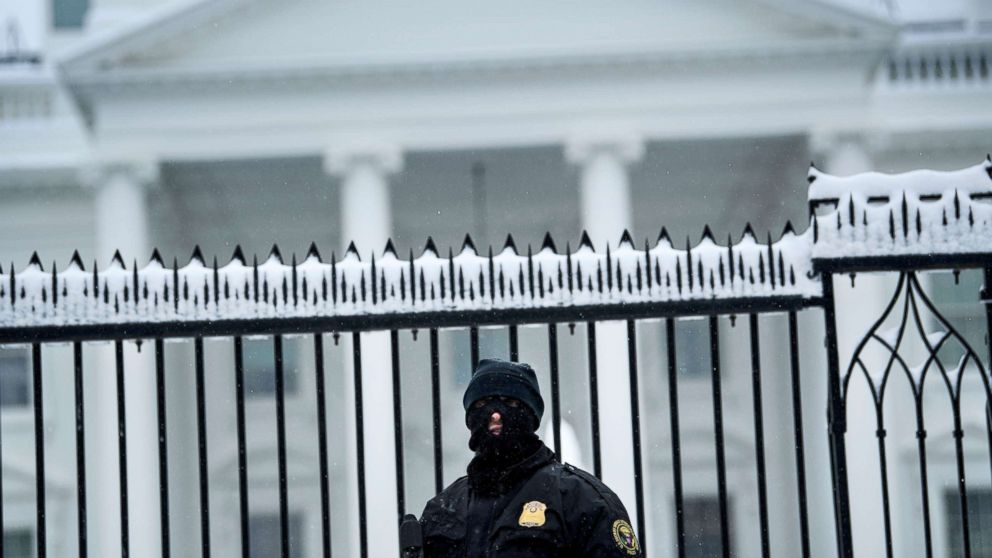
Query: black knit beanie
495, 377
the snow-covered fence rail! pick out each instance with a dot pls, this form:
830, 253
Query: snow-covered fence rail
466, 281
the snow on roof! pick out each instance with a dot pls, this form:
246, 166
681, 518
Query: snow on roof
971, 180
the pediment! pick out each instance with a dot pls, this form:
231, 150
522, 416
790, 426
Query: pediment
241, 35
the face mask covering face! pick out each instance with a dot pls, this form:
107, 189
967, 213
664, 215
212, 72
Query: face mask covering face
501, 433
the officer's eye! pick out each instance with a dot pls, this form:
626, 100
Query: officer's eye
481, 403
510, 402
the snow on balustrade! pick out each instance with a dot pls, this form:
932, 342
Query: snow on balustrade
916, 213
387, 284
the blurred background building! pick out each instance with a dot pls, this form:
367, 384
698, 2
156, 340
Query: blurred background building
131, 125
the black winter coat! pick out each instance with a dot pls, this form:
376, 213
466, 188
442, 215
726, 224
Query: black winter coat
543, 509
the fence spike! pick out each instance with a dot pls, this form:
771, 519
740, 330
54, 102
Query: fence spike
838, 221
688, 263
352, 251
816, 229
482, 283
492, 275
334, 278
748, 231
905, 216
13, 285
216, 283
568, 264
892, 224
812, 173
423, 287
134, 280
197, 255
451, 273
467, 243
403, 286
36, 262
413, 274
625, 238
530, 271
609, 271
788, 229
722, 272
663, 237
561, 277
254, 273
637, 272
548, 243
363, 288
781, 270
585, 242
730, 258
175, 283
919, 223
957, 206
429, 247
55, 284
116, 260
599, 274
238, 255
771, 260
850, 210
74, 261
510, 244
540, 280
761, 267
678, 274
389, 249
944, 216
971, 217
707, 233
293, 271
864, 217
647, 264
96, 279
313, 252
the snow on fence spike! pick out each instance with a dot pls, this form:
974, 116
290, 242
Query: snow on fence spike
907, 221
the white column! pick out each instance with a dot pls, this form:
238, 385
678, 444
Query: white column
366, 219
122, 224
605, 202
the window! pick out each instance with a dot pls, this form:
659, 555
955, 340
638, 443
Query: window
259, 361
18, 543
979, 523
69, 14
702, 527
14, 378
264, 534
692, 348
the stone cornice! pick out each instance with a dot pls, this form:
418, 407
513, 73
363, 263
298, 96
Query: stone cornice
282, 73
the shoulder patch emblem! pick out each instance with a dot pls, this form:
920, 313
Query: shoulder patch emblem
533, 514
623, 535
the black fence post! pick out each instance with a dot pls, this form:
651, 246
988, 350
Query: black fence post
837, 424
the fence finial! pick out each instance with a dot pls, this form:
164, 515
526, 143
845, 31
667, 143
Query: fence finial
75, 261
548, 243
707, 234
275, 253
389, 249
352, 251
430, 246
313, 252
748, 231
510, 244
625, 238
116, 260
238, 255
788, 229
663, 237
467, 243
585, 242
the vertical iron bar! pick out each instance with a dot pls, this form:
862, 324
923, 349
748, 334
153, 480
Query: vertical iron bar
673, 409
473, 341
163, 450
721, 461
797, 418
394, 339
759, 434
356, 338
325, 499
1, 482
39, 448
555, 387
883, 465
635, 428
921, 442
962, 484
122, 447
436, 412
514, 344
77, 357
239, 403
201, 439
281, 446
837, 424
594, 397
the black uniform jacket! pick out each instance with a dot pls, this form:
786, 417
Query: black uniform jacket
543, 509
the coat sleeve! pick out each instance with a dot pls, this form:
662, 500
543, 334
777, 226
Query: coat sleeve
600, 526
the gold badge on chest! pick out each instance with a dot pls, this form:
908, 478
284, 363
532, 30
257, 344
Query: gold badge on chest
533, 514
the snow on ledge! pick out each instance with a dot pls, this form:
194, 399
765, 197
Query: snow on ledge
915, 213
972, 180
428, 283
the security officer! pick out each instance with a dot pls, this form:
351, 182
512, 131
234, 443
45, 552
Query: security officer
517, 500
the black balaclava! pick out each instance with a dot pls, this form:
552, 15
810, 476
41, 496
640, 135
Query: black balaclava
495, 456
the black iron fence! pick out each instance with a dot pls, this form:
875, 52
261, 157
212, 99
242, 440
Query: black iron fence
852, 231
